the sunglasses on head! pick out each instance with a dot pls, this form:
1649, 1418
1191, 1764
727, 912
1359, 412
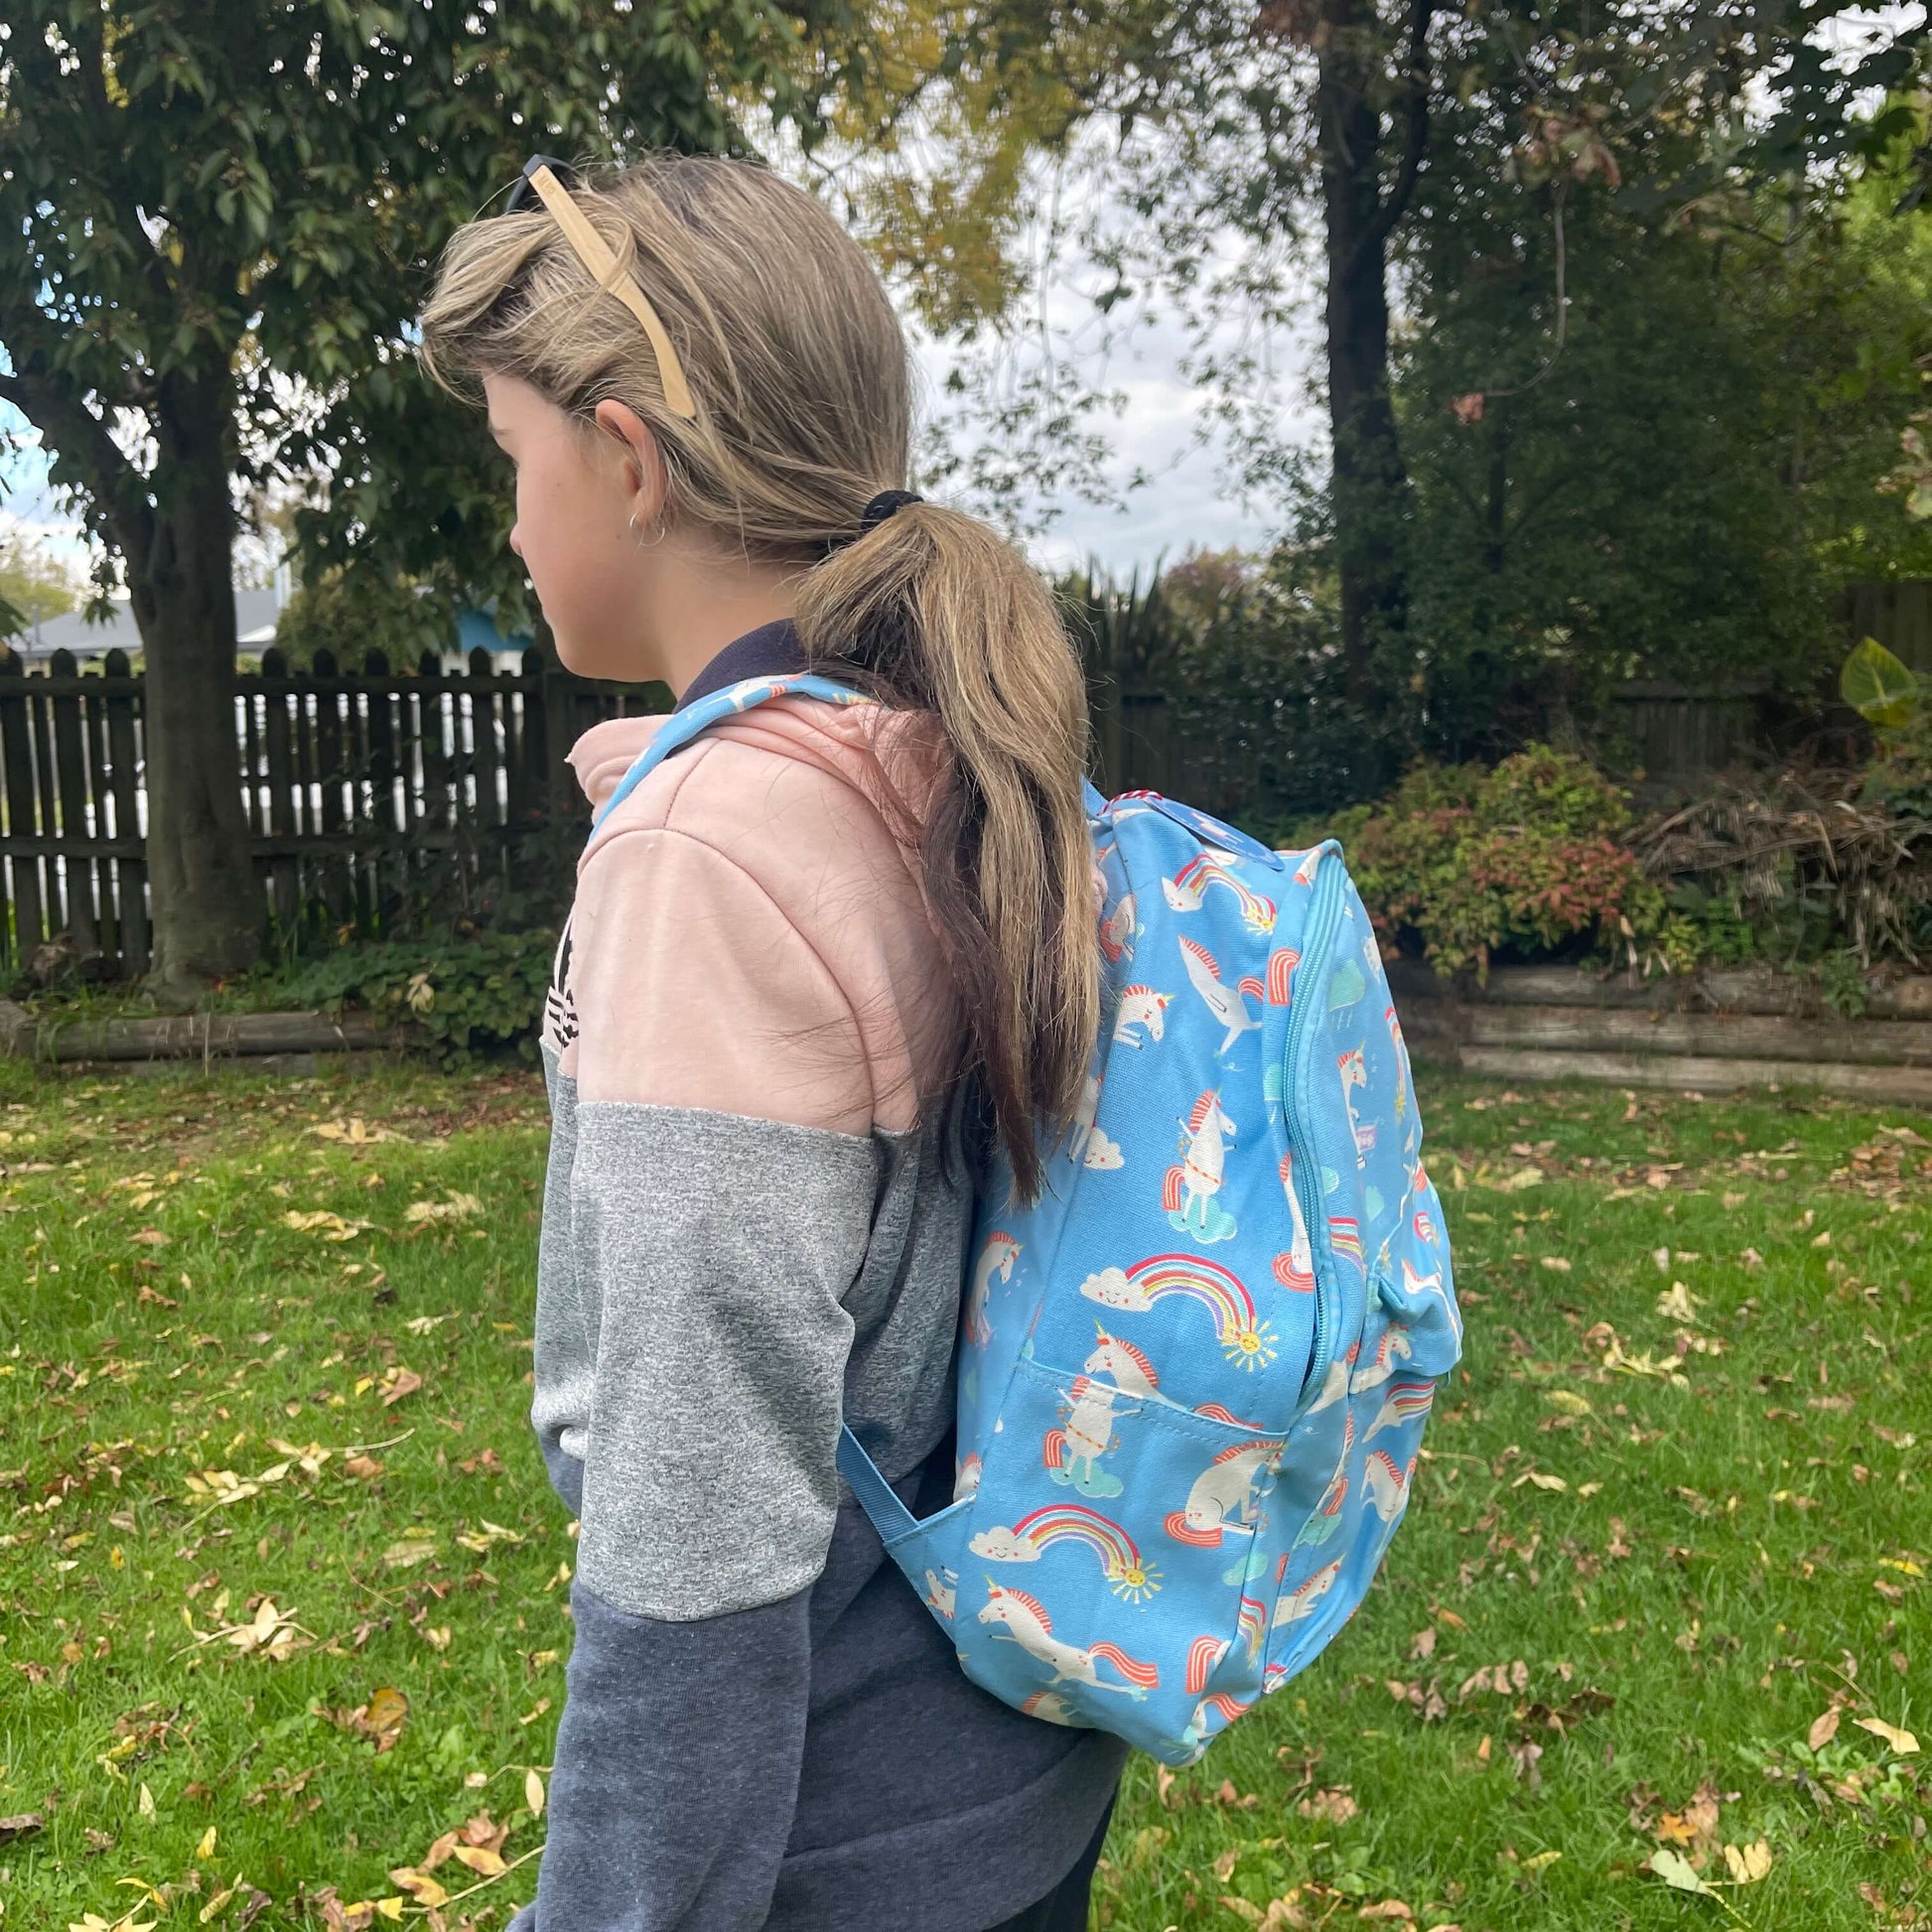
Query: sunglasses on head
546, 176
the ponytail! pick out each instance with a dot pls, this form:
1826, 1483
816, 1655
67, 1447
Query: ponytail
802, 398
931, 609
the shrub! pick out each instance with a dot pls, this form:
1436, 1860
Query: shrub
468, 993
1525, 860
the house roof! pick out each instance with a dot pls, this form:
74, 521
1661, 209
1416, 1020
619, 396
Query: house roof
254, 612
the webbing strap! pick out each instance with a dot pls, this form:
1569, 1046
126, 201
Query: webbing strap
889, 1517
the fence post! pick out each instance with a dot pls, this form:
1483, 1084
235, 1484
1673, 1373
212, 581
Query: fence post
531, 790
39, 726
482, 713
435, 763
338, 874
132, 874
284, 894
383, 786
93, 726
70, 784
16, 756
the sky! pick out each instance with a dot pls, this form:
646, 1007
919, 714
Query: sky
1184, 506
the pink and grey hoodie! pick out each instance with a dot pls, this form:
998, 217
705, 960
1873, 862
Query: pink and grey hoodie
750, 1229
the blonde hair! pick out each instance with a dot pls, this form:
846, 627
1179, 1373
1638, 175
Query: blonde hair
803, 412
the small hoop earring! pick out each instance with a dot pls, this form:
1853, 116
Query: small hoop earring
644, 543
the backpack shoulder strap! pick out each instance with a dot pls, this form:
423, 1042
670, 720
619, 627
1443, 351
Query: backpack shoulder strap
682, 727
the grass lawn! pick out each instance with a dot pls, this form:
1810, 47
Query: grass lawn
281, 1604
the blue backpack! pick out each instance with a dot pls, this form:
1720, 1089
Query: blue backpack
1193, 1375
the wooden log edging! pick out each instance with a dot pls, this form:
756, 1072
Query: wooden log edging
188, 1037
1711, 1032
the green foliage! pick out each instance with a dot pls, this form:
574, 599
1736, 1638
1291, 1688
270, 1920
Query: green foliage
469, 995
1603, 508
345, 612
1525, 860
1883, 691
35, 585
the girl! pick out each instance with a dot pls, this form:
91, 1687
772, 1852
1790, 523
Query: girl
822, 963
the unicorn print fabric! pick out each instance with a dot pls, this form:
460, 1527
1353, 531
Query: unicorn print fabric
1194, 1376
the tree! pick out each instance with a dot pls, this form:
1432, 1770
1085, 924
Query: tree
35, 585
1269, 121
1681, 485
218, 221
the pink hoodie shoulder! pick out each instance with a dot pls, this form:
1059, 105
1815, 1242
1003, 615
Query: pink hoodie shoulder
749, 935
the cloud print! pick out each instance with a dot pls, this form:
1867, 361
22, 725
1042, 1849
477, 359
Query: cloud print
1112, 1289
1101, 1152
1002, 1546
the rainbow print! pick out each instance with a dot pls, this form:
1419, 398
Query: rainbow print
1192, 882
1404, 1402
1345, 1238
1203, 1654
1425, 1226
1282, 963
1120, 1559
1253, 1625
1247, 1341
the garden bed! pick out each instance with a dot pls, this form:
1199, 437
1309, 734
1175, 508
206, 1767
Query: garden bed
191, 1035
1714, 1032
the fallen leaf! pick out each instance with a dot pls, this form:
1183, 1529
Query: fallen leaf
1389, 1908
397, 1383
1423, 1646
322, 1221
534, 1793
439, 1852
1677, 1304
1674, 1872
1902, 1741
149, 1238
1824, 1727
408, 1550
22, 1824
1334, 1806
380, 1720
480, 1859
365, 1468
491, 1533
1747, 1863
1556, 1266
424, 1890
458, 1208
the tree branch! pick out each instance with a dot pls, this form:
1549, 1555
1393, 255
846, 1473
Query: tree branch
1415, 143
79, 434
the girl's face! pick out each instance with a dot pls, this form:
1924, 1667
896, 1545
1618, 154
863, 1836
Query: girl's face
575, 493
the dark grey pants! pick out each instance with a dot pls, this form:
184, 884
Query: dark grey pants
1064, 1908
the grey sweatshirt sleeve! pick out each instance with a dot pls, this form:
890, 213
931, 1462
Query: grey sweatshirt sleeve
676, 1769
691, 1353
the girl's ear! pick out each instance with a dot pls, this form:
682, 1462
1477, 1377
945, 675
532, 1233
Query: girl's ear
645, 480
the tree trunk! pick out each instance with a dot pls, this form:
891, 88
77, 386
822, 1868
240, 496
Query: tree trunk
208, 908
1371, 484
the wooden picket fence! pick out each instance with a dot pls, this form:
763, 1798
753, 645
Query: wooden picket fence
369, 793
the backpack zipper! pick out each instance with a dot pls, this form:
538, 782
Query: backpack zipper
1308, 1166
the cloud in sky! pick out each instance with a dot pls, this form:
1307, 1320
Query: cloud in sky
1190, 502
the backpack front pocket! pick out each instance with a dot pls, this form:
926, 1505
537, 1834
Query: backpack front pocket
1112, 1569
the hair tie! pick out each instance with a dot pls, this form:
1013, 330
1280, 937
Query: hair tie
886, 503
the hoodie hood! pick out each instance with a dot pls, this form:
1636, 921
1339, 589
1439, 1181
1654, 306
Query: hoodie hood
870, 750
